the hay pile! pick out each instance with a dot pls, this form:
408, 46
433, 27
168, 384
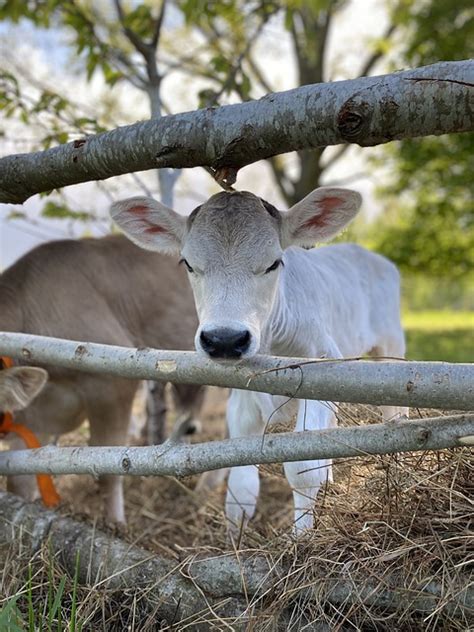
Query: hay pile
387, 529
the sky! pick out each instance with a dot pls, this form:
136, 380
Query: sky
49, 61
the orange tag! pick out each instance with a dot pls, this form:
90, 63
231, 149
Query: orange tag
46, 487
6, 363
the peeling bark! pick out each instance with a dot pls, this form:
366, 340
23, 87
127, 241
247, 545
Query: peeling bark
436, 99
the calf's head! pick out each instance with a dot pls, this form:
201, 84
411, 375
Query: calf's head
19, 385
232, 247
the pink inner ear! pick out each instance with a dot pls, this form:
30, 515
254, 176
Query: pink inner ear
142, 209
139, 210
325, 207
154, 228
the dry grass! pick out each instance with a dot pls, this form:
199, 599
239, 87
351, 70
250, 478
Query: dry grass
402, 519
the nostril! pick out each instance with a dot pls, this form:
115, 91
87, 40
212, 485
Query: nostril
206, 341
243, 341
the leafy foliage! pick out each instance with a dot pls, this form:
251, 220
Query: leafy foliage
429, 226
103, 43
435, 30
53, 210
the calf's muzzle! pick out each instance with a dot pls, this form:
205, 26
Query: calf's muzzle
225, 343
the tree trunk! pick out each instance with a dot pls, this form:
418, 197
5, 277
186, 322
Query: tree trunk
200, 589
167, 178
154, 430
436, 99
310, 29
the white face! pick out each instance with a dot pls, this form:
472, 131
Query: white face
235, 276
232, 247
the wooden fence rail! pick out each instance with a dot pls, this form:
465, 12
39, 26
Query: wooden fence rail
182, 460
381, 382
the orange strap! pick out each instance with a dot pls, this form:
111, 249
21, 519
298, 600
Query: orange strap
5, 363
46, 487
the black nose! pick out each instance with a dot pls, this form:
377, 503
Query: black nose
225, 343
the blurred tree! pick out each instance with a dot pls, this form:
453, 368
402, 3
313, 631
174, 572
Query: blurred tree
429, 223
121, 41
121, 44
231, 31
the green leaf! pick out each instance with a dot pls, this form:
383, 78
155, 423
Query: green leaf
10, 616
245, 86
52, 210
111, 76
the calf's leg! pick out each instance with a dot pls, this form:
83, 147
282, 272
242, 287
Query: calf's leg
109, 418
243, 486
305, 477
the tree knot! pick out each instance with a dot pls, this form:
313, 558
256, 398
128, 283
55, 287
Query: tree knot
353, 119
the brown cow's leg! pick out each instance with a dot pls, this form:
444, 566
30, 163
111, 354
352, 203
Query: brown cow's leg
154, 429
109, 419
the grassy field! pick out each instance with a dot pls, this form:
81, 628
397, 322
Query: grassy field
440, 335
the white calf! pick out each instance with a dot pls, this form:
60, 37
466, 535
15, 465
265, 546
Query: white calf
257, 290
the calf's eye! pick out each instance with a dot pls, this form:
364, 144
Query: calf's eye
274, 266
189, 268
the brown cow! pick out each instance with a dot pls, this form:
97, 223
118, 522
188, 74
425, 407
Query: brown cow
97, 290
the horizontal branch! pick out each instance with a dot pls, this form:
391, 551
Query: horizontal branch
436, 99
416, 384
170, 459
191, 590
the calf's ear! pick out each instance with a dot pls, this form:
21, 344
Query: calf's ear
20, 385
149, 224
319, 216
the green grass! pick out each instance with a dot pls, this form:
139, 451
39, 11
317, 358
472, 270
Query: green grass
43, 605
440, 335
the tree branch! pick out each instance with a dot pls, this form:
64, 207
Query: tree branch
258, 74
337, 155
148, 51
373, 59
366, 68
366, 111
416, 384
343, 182
158, 25
191, 592
230, 82
139, 45
185, 460
114, 55
282, 180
